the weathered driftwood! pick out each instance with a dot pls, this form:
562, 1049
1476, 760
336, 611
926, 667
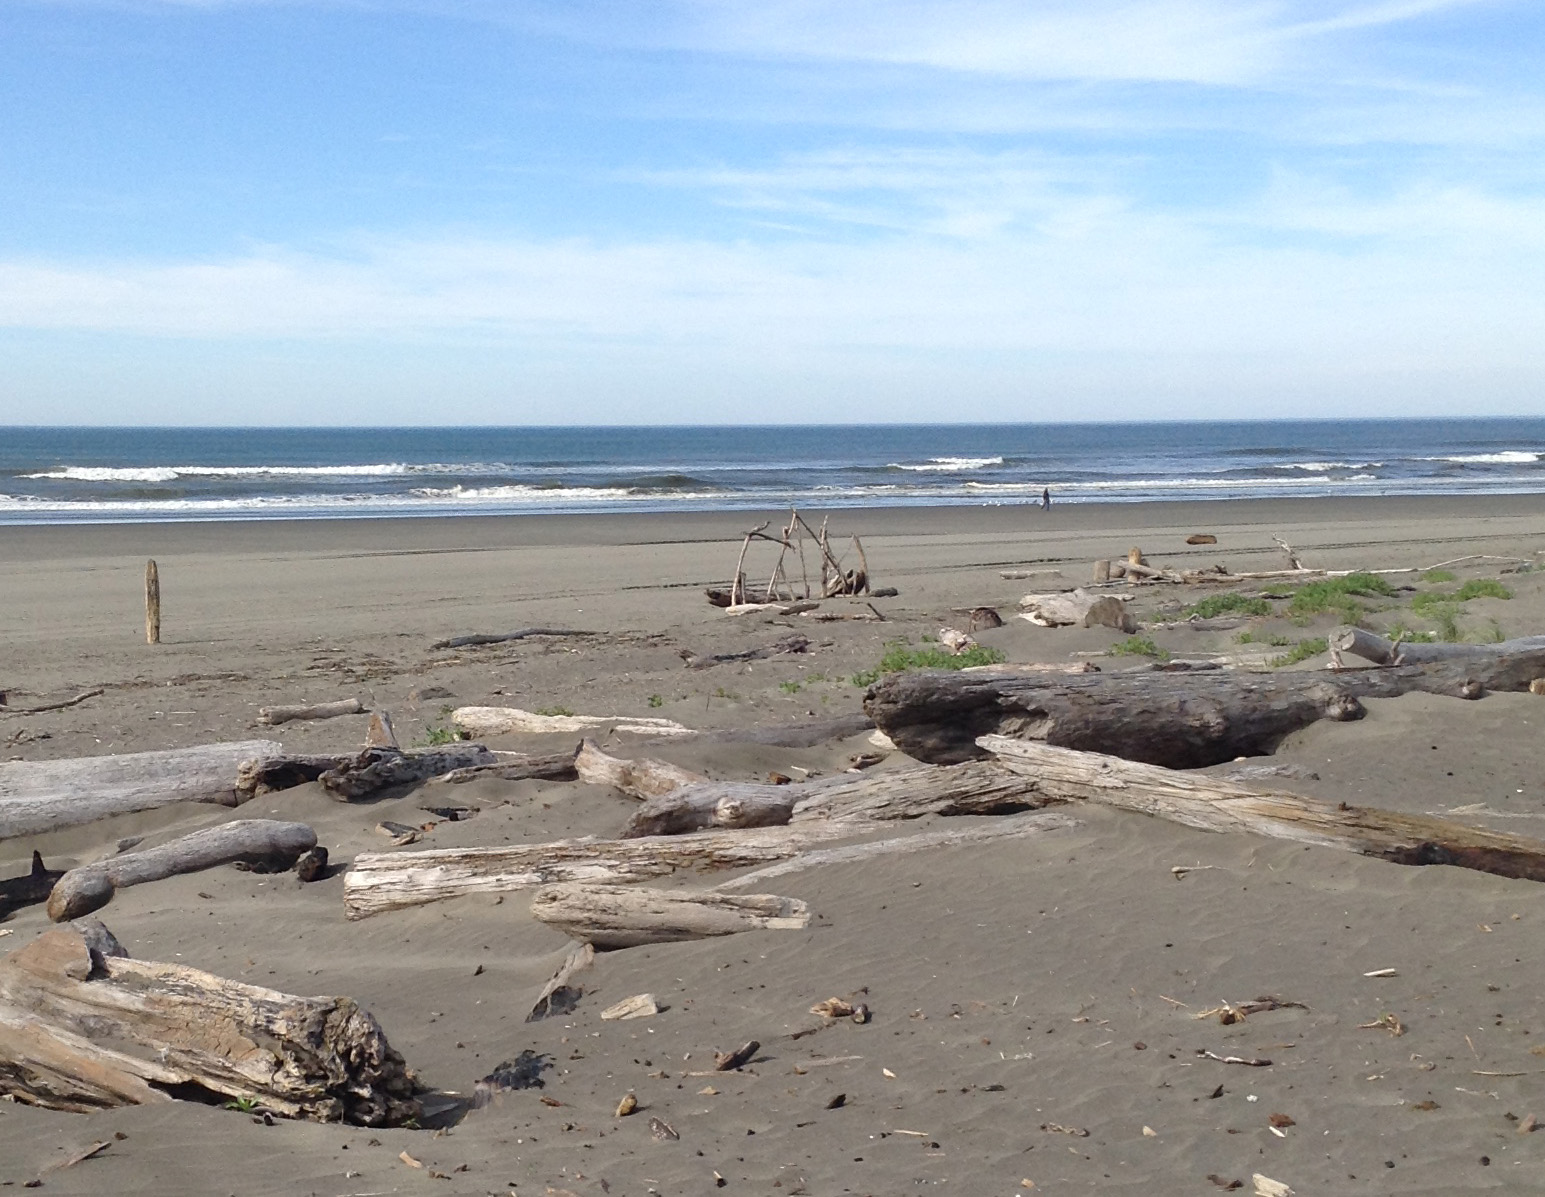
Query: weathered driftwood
379, 733
970, 789
265, 842
1077, 608
1521, 660
376, 769
838, 808
84, 1029
1212, 804
264, 775
977, 832
389, 881
504, 637
38, 796
152, 603
558, 996
516, 766
642, 777
626, 916
29, 888
780, 647
1182, 720
494, 721
321, 710
52, 706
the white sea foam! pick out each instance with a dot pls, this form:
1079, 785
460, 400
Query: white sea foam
949, 465
1320, 467
1506, 457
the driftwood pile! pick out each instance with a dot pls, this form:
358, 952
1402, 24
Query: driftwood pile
1000, 752
833, 578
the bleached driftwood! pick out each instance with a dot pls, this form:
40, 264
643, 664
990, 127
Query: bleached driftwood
641, 777
376, 769
495, 721
1181, 720
977, 832
1212, 804
842, 808
558, 996
38, 796
873, 797
83, 1028
626, 916
1517, 658
268, 843
1077, 608
321, 710
517, 766
791, 735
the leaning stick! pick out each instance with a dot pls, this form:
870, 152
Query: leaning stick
737, 587
152, 603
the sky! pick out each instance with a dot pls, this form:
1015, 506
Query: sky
335, 212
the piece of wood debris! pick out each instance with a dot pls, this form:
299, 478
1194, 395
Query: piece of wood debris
731, 1060
662, 1130
1266, 1187
1384, 1022
1382, 972
641, 1005
493, 721
322, 710
627, 1105
1056, 1128
1247, 1061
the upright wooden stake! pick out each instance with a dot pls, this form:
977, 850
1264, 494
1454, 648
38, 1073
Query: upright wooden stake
152, 603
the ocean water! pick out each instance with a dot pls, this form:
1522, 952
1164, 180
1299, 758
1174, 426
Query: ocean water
80, 475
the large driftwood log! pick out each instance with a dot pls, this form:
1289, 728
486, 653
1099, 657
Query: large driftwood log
847, 809
1509, 665
626, 916
38, 796
267, 843
83, 1029
792, 735
639, 778
970, 789
376, 769
321, 710
517, 766
264, 775
494, 721
1182, 720
1077, 608
1211, 804
978, 832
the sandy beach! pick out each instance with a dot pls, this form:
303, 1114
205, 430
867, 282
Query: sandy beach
1035, 1001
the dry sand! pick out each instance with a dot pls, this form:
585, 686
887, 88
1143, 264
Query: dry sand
1016, 987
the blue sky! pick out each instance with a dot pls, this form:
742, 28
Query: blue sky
470, 211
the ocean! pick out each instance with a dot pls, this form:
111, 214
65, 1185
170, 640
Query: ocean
95, 475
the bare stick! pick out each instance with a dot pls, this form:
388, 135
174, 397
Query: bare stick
152, 603
55, 706
503, 637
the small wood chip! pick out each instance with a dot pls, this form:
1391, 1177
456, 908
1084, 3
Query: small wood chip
728, 1061
551, 1101
409, 1160
1057, 1129
1378, 972
1266, 1187
1281, 1120
833, 1007
640, 1005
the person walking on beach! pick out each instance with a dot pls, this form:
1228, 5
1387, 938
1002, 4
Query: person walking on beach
1046, 498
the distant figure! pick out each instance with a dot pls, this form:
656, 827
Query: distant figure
1046, 499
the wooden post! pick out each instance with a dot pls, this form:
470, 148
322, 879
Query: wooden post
152, 603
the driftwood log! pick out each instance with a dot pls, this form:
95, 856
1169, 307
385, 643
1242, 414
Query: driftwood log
29, 888
321, 710
979, 831
478, 638
969, 789
83, 1028
517, 766
1509, 665
1077, 608
792, 735
264, 775
376, 769
639, 778
836, 810
1181, 720
272, 845
779, 647
1212, 804
627, 916
494, 721
38, 796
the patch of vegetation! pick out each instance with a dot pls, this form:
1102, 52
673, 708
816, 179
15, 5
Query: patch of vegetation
435, 735
1492, 634
1301, 651
899, 658
1275, 639
1440, 575
790, 687
1338, 596
552, 711
656, 700
1407, 635
1138, 646
245, 1105
1225, 604
1482, 588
